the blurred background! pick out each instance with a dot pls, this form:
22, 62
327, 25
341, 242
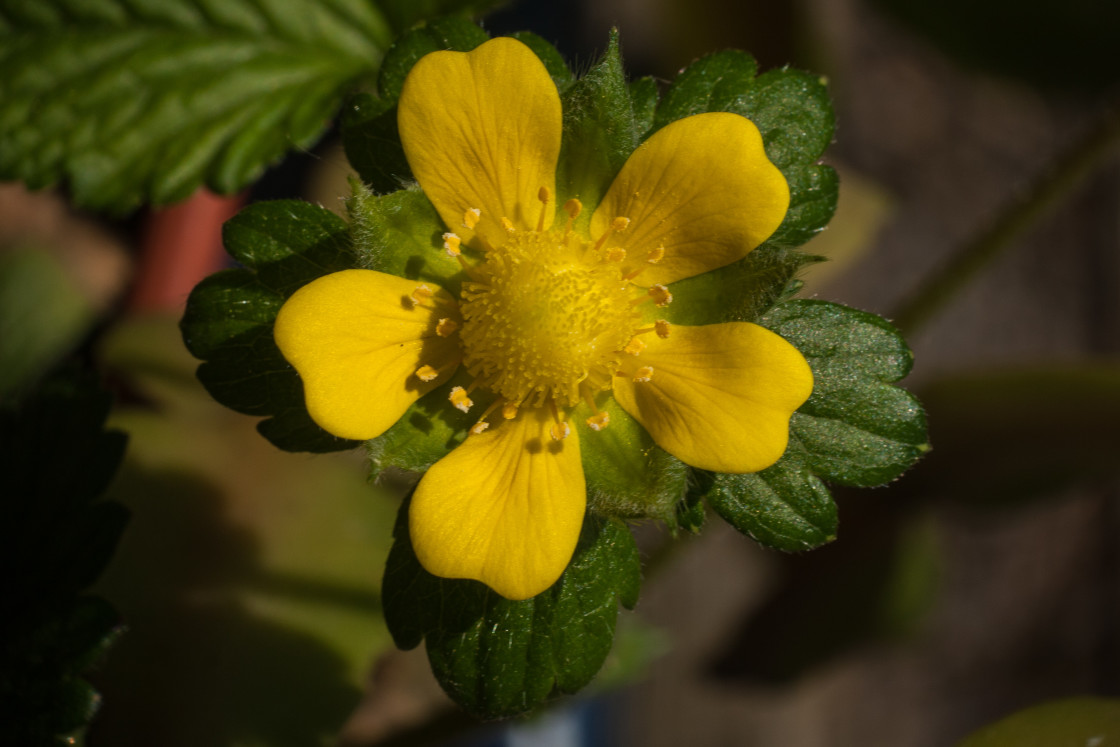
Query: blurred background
984, 581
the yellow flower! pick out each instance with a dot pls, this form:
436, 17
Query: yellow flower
554, 314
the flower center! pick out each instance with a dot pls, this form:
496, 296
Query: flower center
545, 319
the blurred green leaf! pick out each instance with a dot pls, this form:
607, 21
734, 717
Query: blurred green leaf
1076, 722
228, 322
56, 537
42, 316
497, 658
135, 103
249, 576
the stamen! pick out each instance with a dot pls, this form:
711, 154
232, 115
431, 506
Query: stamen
460, 399
427, 373
479, 427
643, 374
656, 255
446, 327
420, 295
471, 217
660, 295
482, 424
634, 347
451, 244
544, 196
616, 254
599, 421
573, 208
508, 225
560, 429
618, 224
509, 410
662, 328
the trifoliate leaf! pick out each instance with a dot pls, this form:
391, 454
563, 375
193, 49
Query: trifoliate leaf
856, 429
599, 133
228, 322
784, 506
143, 102
499, 658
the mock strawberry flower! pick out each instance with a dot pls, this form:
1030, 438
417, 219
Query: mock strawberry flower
556, 313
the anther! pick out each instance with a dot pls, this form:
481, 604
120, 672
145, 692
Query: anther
573, 208
656, 255
479, 427
661, 327
471, 217
544, 196
460, 399
620, 224
421, 294
427, 373
599, 421
616, 254
508, 225
560, 431
509, 410
451, 244
634, 347
446, 327
643, 374
660, 295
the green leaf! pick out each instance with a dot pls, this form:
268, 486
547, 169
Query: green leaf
1074, 722
599, 133
644, 97
404, 14
813, 193
792, 111
709, 84
228, 322
499, 658
135, 103
784, 506
855, 429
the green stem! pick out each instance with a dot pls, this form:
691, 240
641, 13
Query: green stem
1066, 173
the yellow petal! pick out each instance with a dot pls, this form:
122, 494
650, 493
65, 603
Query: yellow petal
357, 340
720, 396
700, 187
505, 507
481, 130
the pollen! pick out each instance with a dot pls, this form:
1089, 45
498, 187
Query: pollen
451, 244
620, 224
643, 374
479, 427
656, 255
560, 431
634, 347
508, 225
471, 218
599, 421
421, 294
446, 327
460, 399
660, 295
543, 318
427, 373
509, 410
662, 328
616, 254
